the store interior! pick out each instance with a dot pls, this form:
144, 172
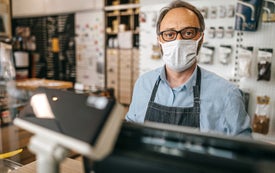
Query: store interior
101, 47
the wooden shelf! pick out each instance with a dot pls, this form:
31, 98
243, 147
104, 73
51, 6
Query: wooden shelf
34, 83
122, 23
121, 7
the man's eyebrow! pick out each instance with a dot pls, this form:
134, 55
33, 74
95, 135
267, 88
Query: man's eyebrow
167, 29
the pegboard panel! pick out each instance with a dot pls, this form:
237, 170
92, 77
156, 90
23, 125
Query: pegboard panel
58, 65
219, 15
263, 38
149, 57
219, 33
148, 37
89, 28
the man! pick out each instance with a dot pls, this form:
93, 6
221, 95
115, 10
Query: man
181, 92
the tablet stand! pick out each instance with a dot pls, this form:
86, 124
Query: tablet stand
48, 152
53, 135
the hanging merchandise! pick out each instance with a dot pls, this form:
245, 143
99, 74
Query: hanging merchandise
268, 11
213, 12
222, 11
245, 60
229, 32
262, 115
125, 40
230, 11
156, 51
206, 54
225, 54
220, 32
264, 64
204, 12
211, 32
247, 14
55, 45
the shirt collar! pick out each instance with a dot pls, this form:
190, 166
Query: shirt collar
188, 84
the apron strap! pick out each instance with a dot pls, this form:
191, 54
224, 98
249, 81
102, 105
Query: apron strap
153, 95
197, 87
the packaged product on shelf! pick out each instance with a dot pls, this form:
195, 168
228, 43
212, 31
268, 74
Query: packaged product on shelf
230, 11
264, 64
222, 11
245, 60
268, 11
220, 32
156, 52
225, 52
262, 115
213, 12
247, 14
204, 12
206, 54
211, 31
229, 32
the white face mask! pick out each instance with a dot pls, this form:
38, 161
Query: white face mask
179, 55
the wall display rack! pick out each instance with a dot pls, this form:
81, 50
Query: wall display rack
222, 49
122, 40
90, 49
52, 54
5, 20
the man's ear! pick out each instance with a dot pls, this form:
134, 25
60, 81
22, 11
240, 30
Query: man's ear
159, 45
200, 43
202, 39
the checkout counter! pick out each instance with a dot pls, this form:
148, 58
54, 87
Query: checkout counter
14, 141
34, 83
151, 148
160, 148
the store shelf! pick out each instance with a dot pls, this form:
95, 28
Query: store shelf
122, 35
121, 7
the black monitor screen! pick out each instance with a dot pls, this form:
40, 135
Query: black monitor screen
145, 149
80, 116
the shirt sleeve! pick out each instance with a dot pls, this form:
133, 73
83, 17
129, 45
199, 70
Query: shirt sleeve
130, 115
138, 106
237, 121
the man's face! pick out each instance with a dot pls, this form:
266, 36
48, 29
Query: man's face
178, 19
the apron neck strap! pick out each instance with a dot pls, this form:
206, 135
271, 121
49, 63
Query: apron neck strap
196, 88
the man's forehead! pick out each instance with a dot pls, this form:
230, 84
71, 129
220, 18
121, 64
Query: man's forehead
179, 18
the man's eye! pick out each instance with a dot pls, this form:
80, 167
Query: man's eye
169, 34
189, 33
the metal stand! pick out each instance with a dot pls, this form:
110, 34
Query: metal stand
48, 152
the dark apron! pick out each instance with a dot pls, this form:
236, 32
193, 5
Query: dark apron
184, 116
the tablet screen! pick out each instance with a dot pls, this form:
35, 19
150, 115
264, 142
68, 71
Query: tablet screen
76, 115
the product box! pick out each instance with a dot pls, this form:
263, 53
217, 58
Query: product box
247, 14
125, 40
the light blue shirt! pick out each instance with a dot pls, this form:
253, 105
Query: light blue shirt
222, 106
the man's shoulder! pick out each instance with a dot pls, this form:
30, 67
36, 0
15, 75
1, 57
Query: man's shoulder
152, 74
214, 79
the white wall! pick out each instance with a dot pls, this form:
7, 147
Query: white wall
90, 40
28, 8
